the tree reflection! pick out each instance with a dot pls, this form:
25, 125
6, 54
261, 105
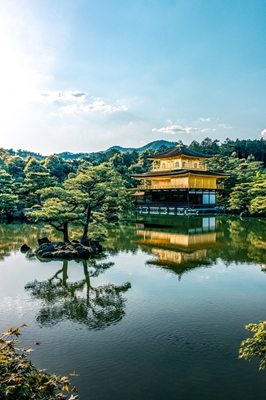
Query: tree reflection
79, 302
189, 243
12, 236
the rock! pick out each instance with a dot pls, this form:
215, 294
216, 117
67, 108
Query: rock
24, 248
61, 250
43, 240
94, 245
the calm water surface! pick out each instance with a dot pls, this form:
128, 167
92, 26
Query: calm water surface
162, 315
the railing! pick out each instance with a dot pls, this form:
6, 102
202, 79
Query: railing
173, 167
184, 204
158, 204
178, 186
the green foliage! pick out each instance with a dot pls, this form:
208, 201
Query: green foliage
29, 189
20, 379
7, 204
258, 205
8, 200
103, 190
243, 172
250, 195
24, 174
256, 345
33, 165
16, 166
6, 182
58, 167
60, 207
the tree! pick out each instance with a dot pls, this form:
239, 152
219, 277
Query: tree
29, 189
103, 190
8, 204
250, 195
242, 173
16, 166
255, 346
258, 205
20, 379
4, 156
58, 167
60, 207
8, 200
32, 165
258, 194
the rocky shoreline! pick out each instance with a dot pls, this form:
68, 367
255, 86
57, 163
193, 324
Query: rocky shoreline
63, 250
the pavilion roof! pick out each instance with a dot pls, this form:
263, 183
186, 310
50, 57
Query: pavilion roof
180, 172
179, 150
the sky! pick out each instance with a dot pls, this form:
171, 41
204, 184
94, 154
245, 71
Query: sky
85, 75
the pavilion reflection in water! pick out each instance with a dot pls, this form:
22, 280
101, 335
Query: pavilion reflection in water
180, 243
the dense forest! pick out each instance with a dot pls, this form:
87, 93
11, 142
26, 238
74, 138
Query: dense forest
58, 189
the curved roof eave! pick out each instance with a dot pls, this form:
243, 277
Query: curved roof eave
180, 172
179, 150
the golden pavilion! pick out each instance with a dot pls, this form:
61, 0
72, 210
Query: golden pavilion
179, 181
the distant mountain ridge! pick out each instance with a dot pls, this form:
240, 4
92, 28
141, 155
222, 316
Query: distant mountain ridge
155, 145
66, 155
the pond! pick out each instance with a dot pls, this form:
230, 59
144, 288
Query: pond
160, 315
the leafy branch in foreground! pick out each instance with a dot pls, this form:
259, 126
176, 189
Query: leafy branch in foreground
256, 345
20, 379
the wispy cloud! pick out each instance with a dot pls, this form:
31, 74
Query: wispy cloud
76, 102
205, 119
225, 126
177, 129
63, 97
96, 106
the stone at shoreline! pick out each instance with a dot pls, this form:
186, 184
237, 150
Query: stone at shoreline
63, 250
43, 240
24, 248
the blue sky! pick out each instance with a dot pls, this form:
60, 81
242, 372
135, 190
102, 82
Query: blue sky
84, 75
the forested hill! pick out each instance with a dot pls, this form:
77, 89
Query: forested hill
240, 148
155, 145
23, 179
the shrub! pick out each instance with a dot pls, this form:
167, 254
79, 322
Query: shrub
20, 379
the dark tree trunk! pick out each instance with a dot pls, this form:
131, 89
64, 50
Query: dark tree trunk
65, 277
65, 232
84, 238
88, 282
39, 199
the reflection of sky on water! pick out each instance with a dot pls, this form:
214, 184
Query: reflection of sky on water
189, 328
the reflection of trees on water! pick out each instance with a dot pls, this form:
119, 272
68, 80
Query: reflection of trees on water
246, 241
12, 236
190, 244
80, 302
120, 238
242, 240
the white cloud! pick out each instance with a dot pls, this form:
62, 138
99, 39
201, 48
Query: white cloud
225, 126
177, 129
77, 102
100, 106
263, 133
205, 119
60, 96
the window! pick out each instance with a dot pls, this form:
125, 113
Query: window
195, 165
177, 164
163, 165
183, 164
